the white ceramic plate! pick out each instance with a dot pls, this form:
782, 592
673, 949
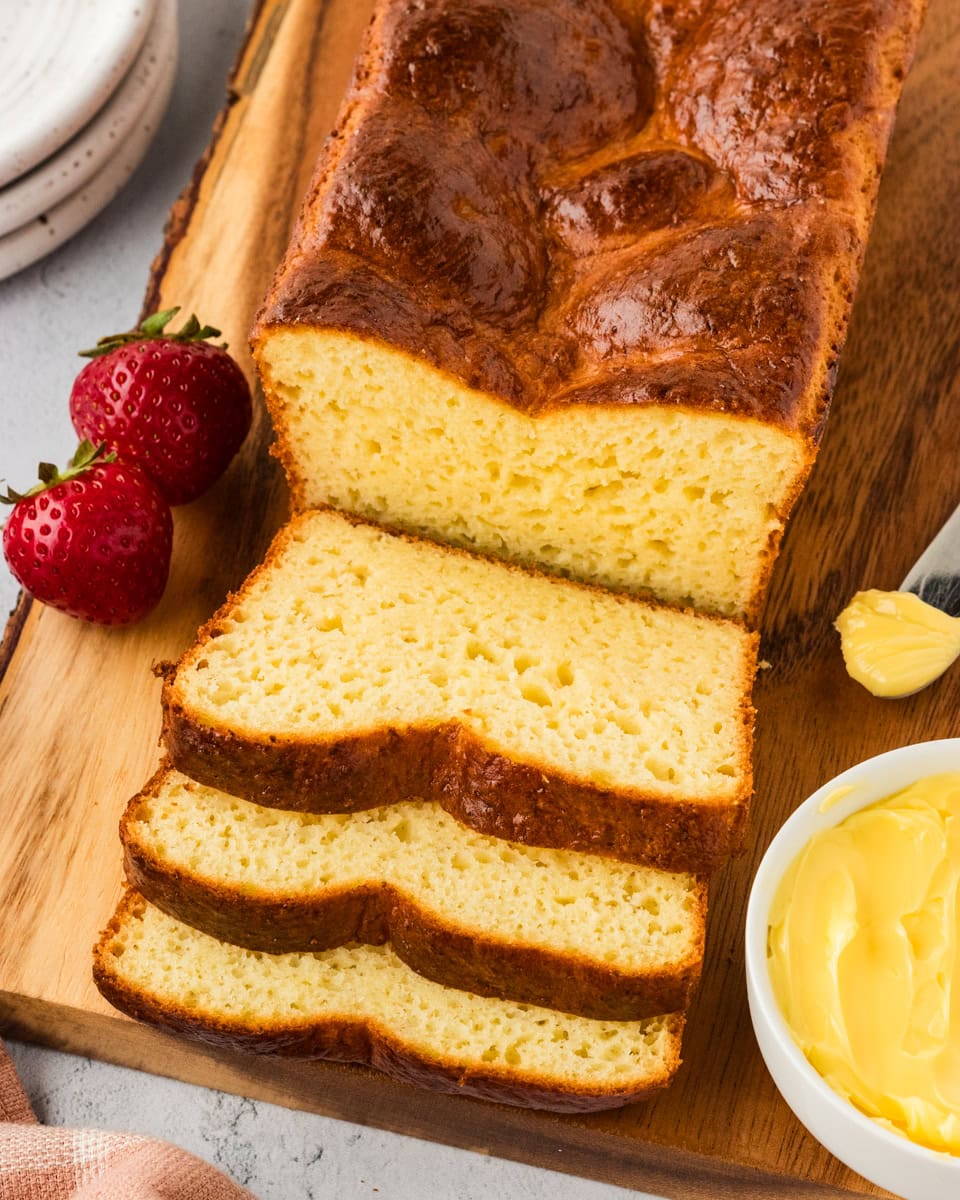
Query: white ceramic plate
80, 160
37, 238
59, 62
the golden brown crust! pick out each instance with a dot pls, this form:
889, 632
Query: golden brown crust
473, 960
585, 202
449, 764
360, 1041
492, 794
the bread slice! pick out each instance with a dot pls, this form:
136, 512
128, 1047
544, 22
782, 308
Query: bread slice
573, 931
571, 279
362, 1005
357, 668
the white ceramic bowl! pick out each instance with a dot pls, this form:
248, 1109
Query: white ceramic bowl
883, 1157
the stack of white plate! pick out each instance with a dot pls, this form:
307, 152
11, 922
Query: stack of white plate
83, 87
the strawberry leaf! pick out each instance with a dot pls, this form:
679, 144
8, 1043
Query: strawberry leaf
189, 329
154, 325
154, 328
87, 455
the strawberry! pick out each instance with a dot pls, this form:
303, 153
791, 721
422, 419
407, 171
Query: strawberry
93, 540
172, 402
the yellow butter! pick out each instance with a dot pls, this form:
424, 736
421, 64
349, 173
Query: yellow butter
863, 956
834, 797
894, 643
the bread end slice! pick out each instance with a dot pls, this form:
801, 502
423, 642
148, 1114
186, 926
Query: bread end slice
362, 1005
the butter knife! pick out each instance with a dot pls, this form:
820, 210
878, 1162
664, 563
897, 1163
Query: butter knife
935, 576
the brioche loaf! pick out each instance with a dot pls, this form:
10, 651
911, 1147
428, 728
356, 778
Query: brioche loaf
362, 1005
572, 277
357, 668
565, 930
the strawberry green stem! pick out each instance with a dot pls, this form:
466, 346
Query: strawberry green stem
87, 455
153, 328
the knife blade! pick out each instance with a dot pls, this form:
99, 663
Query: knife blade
935, 576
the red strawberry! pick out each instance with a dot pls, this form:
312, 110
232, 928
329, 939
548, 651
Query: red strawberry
172, 402
94, 540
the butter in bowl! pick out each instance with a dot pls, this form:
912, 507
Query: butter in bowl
853, 967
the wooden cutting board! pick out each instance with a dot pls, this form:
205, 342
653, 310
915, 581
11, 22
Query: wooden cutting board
79, 714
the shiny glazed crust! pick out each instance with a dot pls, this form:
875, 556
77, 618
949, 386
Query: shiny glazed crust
475, 784
457, 956
581, 202
359, 1041
446, 763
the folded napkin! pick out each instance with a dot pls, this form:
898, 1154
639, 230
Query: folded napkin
89, 1164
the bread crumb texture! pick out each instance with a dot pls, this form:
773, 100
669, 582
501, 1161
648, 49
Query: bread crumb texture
686, 505
590, 907
172, 967
348, 629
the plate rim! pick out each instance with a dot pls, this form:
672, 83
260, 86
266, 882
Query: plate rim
52, 116
41, 189
42, 235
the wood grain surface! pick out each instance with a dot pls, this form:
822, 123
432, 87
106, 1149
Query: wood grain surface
79, 713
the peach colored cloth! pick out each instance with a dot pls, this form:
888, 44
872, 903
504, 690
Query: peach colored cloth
88, 1164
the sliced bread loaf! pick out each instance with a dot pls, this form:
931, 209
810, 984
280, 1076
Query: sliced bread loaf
566, 930
362, 1005
571, 278
357, 668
